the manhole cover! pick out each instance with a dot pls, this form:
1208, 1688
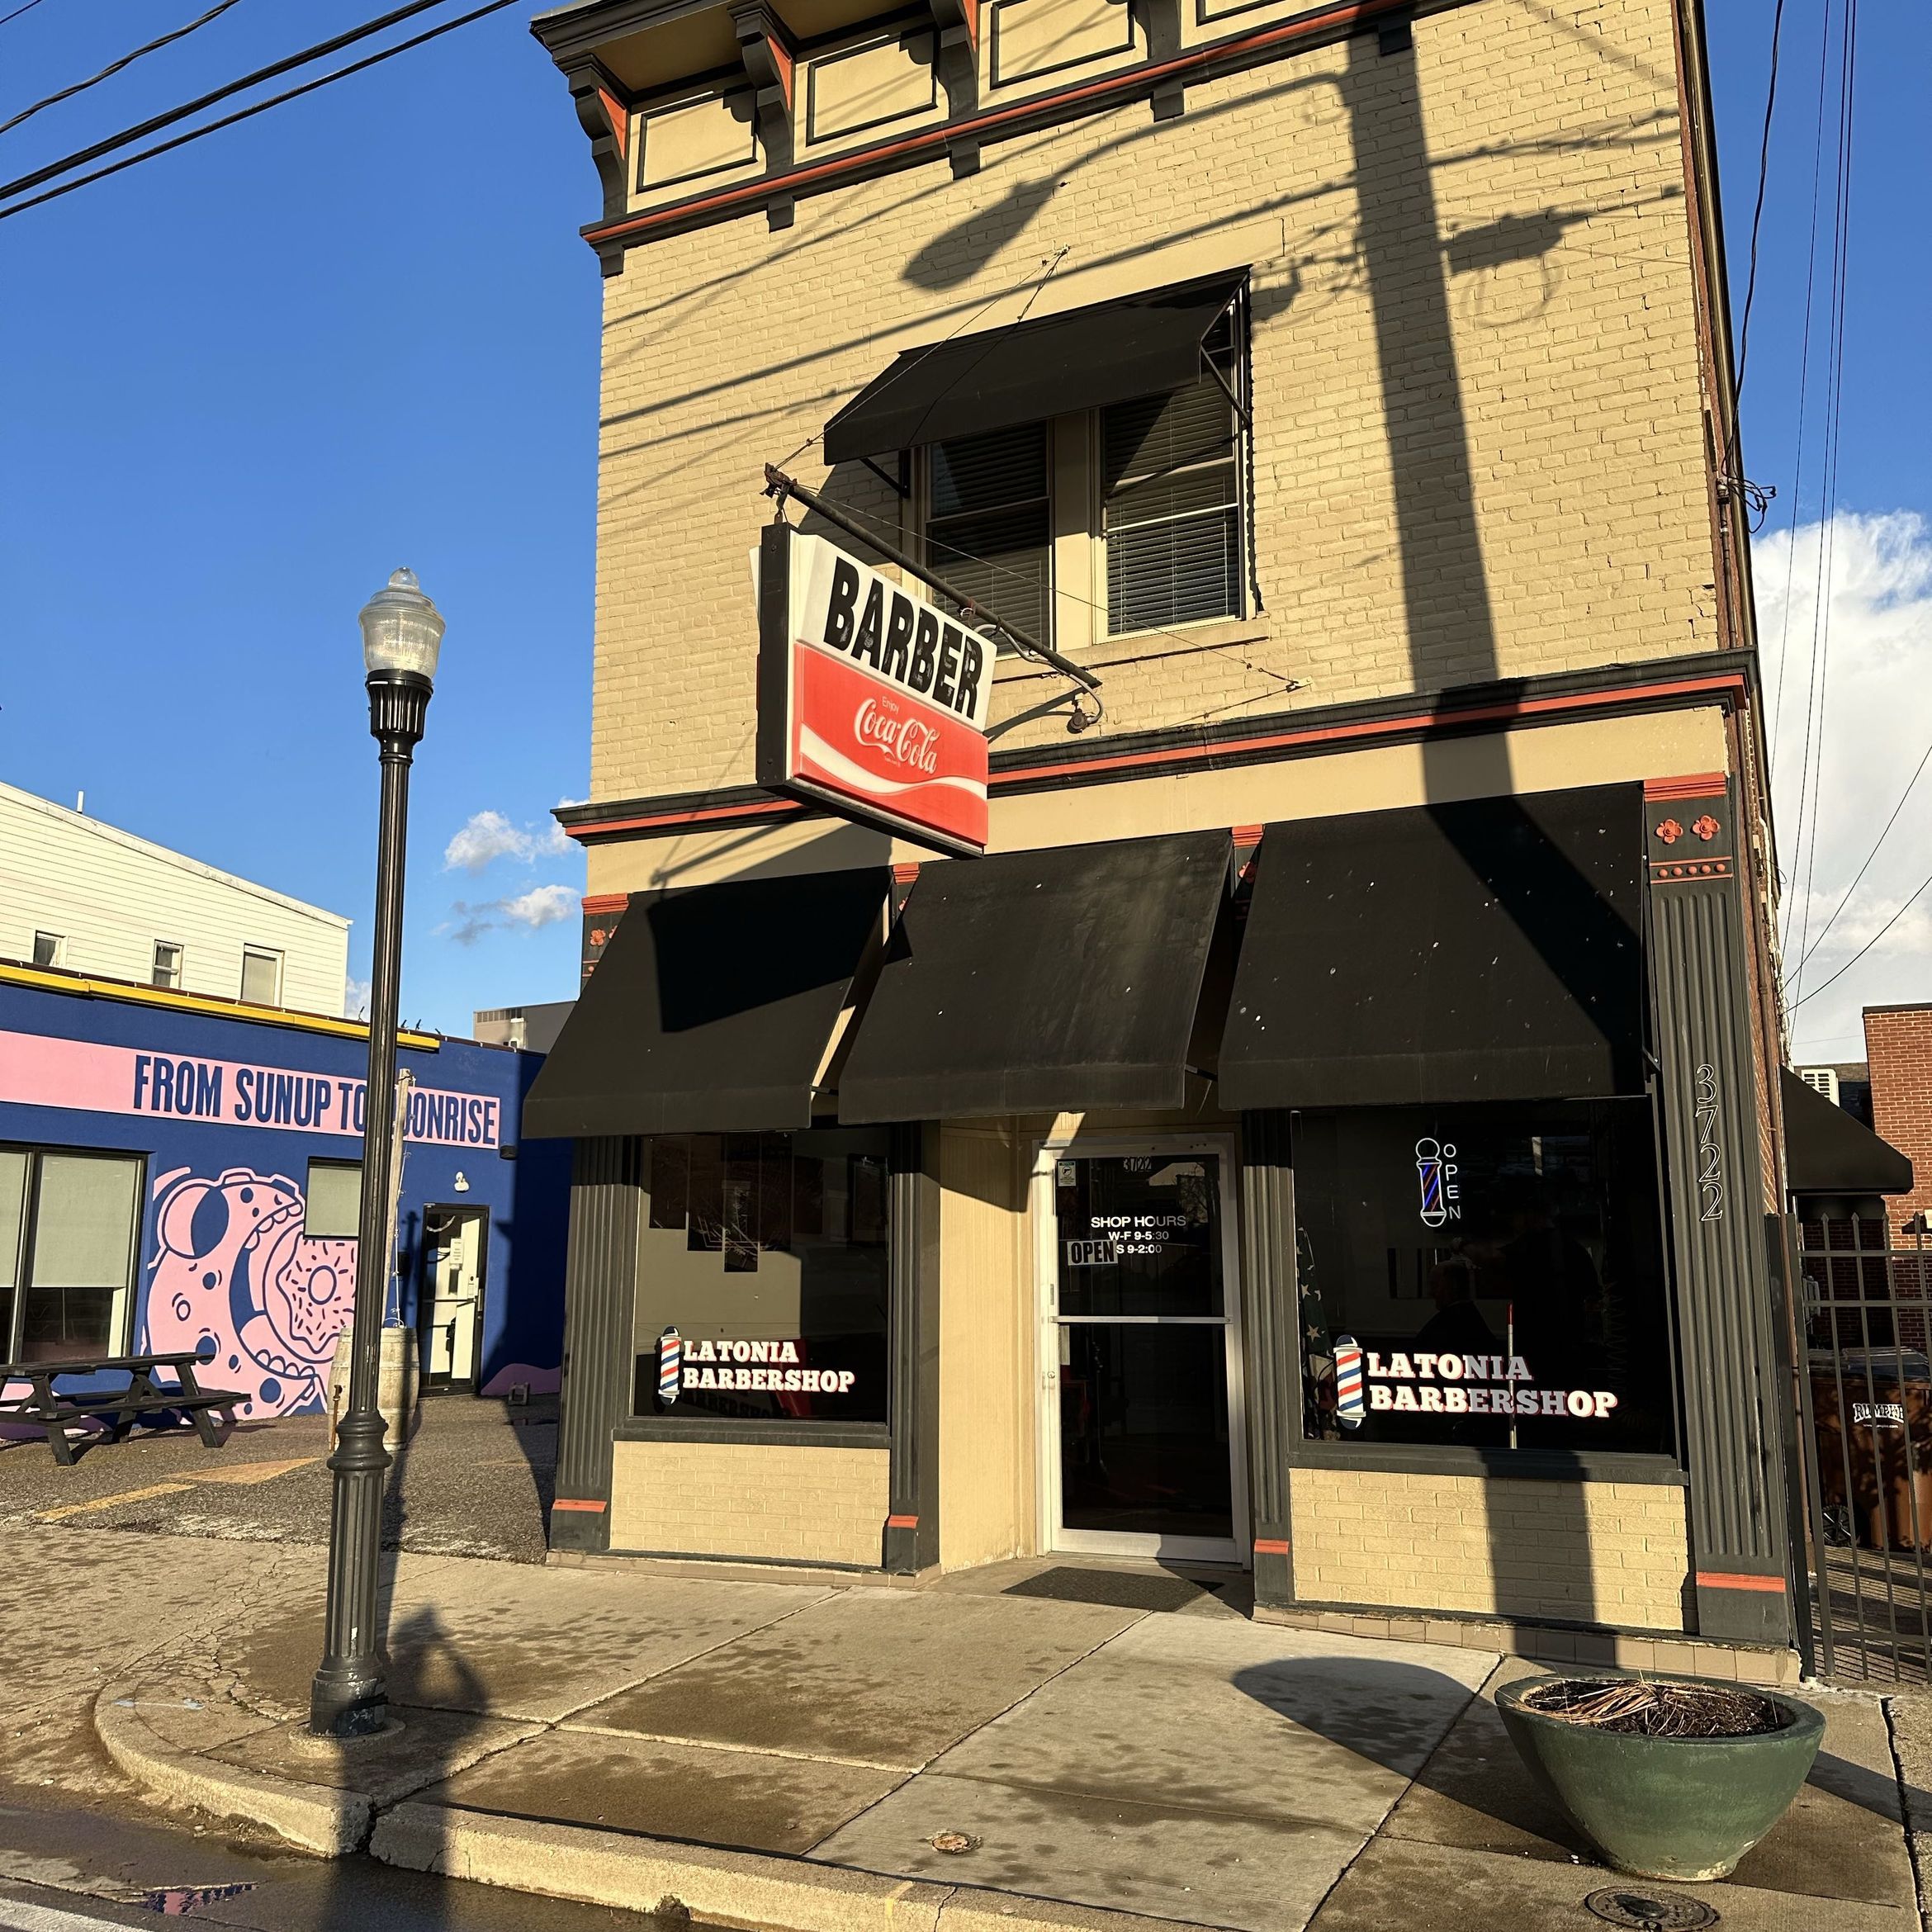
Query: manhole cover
1649, 1912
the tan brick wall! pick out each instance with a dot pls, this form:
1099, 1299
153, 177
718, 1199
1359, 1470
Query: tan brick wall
1898, 1048
1608, 1553
748, 1499
1489, 236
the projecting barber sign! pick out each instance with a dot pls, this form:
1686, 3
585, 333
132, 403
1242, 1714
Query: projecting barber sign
870, 701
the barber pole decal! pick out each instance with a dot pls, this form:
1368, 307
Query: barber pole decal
671, 1363
1350, 1403
871, 700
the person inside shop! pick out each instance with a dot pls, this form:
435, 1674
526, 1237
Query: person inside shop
1457, 1326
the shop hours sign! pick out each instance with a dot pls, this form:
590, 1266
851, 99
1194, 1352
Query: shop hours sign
870, 701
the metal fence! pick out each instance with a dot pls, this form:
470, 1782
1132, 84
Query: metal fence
1864, 1390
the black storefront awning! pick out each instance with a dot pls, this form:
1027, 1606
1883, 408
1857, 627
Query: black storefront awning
1485, 949
1031, 371
1828, 1150
711, 1008
1041, 982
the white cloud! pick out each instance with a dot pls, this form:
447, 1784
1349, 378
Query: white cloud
355, 1000
487, 837
1873, 663
540, 905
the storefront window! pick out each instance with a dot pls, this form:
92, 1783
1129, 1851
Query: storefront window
1484, 1276
67, 1225
763, 1277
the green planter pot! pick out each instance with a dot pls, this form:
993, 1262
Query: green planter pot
1664, 1807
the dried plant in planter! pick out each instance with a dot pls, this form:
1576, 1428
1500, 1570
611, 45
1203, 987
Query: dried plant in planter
1635, 1707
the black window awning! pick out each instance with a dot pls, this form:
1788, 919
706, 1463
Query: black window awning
1828, 1150
1041, 982
1484, 949
711, 1008
1031, 371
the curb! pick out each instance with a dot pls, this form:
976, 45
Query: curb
314, 1817
716, 1887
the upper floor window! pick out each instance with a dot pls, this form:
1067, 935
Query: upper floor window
1127, 517
1170, 512
988, 527
49, 948
260, 979
167, 969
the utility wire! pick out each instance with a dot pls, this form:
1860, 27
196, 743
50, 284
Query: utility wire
113, 68
1744, 342
273, 71
1917, 894
1828, 501
18, 10
1823, 932
66, 187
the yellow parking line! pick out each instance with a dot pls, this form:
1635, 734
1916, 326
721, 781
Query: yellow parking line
107, 1502
249, 1472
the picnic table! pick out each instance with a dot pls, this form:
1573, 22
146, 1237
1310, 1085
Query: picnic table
54, 1409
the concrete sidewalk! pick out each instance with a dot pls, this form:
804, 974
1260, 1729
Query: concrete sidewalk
794, 1756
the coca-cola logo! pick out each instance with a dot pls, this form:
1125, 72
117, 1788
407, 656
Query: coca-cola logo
907, 740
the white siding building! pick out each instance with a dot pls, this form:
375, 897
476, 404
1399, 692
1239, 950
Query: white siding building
86, 896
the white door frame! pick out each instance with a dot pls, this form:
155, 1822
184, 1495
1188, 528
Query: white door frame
1053, 1535
466, 1324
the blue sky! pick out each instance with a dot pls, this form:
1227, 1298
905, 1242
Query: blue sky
243, 383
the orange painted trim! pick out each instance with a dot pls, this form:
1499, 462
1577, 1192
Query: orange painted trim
902, 1522
939, 140
1379, 729
1525, 708
578, 1503
606, 901
1719, 1579
1698, 784
619, 116
906, 871
1271, 1547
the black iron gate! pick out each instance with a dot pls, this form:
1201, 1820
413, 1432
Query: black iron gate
1864, 1391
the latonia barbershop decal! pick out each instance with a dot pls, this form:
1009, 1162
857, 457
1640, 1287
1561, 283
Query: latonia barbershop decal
774, 1367
1418, 1382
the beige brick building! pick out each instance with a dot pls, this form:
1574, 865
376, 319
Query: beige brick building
1416, 805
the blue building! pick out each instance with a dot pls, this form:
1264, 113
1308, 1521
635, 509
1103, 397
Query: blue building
179, 1171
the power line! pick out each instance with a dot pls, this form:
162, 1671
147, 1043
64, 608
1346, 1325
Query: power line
273, 71
1744, 342
113, 68
18, 10
66, 187
1917, 894
1825, 932
1828, 498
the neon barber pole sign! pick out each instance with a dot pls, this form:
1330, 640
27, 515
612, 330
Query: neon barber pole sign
870, 700
1435, 1174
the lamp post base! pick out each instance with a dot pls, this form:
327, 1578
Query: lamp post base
347, 1703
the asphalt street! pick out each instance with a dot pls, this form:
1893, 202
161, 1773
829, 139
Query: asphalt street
474, 1481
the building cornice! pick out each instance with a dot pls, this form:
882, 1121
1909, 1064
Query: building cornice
1727, 678
1163, 78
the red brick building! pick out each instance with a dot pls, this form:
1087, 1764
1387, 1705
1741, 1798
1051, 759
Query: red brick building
1898, 1048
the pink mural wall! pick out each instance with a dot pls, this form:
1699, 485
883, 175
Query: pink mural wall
234, 1271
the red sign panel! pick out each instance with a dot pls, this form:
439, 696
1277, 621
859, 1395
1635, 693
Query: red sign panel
870, 701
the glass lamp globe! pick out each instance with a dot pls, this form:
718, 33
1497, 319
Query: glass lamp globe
402, 630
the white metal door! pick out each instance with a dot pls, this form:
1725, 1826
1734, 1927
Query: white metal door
455, 1290
1142, 1448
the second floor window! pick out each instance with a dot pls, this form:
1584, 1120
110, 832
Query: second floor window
260, 980
989, 531
48, 949
1103, 522
167, 963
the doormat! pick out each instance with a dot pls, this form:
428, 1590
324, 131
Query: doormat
1118, 1589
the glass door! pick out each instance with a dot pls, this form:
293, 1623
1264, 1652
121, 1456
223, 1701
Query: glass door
1142, 1435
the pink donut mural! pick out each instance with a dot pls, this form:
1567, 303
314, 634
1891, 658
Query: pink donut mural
233, 1273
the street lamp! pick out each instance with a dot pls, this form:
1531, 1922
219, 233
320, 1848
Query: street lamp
402, 631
